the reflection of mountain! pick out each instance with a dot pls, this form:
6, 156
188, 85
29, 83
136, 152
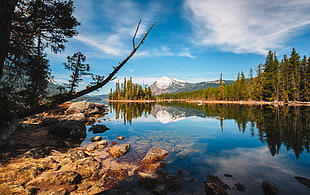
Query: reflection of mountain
167, 114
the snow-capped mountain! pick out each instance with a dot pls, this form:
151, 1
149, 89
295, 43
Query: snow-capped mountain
171, 85
165, 82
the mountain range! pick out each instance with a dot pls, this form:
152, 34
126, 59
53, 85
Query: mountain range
171, 85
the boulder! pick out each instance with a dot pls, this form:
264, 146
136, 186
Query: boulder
68, 129
87, 108
119, 150
268, 188
154, 155
98, 128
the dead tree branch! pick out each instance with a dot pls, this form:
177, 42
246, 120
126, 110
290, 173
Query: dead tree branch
134, 36
68, 97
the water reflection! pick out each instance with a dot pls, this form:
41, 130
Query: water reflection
276, 126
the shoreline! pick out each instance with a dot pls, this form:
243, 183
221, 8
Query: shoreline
203, 102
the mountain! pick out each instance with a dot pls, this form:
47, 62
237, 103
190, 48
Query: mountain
171, 85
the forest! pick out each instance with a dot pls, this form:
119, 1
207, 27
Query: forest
127, 90
283, 80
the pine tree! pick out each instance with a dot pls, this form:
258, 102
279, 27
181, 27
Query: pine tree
78, 68
270, 75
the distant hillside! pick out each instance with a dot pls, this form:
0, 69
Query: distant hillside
170, 85
92, 98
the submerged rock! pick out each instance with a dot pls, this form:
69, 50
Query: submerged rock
98, 129
96, 138
303, 180
120, 137
215, 186
268, 188
154, 155
119, 150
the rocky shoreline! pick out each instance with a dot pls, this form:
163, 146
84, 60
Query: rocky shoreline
43, 156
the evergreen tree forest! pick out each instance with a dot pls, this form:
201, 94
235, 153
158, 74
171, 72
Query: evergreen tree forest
283, 80
130, 91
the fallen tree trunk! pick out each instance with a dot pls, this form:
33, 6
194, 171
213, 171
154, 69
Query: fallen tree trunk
67, 97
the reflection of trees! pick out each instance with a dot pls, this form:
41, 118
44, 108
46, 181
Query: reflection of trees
289, 125
129, 111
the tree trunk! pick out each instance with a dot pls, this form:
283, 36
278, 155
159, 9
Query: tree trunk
6, 16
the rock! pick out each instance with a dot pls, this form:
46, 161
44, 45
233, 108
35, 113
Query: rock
148, 175
228, 175
75, 154
154, 155
120, 137
102, 142
68, 129
240, 187
49, 121
96, 138
87, 108
215, 186
57, 178
37, 153
113, 143
303, 180
91, 147
119, 150
268, 188
98, 129
77, 117
88, 166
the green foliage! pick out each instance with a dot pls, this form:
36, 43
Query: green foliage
35, 26
130, 91
288, 80
78, 68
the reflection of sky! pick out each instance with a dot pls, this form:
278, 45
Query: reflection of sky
252, 166
209, 149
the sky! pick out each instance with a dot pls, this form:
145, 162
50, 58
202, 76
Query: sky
192, 40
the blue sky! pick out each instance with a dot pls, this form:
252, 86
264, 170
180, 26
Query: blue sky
193, 40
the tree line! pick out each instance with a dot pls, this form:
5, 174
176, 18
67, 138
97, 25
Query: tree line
284, 80
127, 90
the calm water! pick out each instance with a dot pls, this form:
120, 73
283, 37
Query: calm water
251, 143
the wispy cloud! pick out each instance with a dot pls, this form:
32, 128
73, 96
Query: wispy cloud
167, 51
247, 26
110, 30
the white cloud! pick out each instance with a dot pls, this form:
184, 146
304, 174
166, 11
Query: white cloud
107, 26
167, 51
247, 26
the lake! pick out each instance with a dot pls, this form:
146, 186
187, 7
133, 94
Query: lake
250, 143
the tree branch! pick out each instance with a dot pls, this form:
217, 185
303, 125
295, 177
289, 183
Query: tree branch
134, 36
68, 97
